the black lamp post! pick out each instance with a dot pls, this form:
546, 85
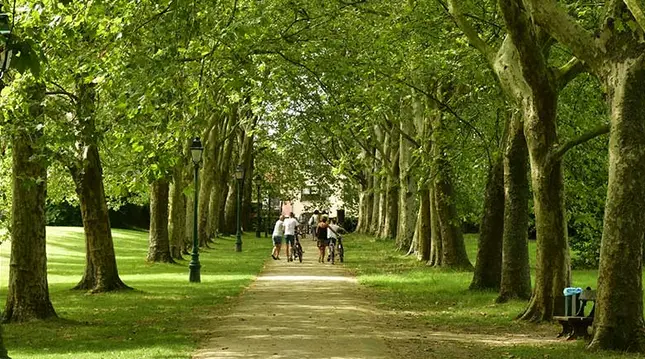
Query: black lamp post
196, 151
239, 176
5, 34
258, 179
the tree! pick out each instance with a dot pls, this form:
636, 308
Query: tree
28, 292
617, 58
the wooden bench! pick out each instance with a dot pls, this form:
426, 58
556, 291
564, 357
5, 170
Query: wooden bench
574, 326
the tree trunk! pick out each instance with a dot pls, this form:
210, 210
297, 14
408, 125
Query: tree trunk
424, 233
391, 221
488, 267
28, 293
206, 180
158, 241
408, 207
516, 273
247, 195
436, 250
177, 221
376, 195
222, 186
101, 274
619, 312
453, 248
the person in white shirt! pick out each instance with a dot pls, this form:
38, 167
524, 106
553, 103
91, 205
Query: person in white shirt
278, 231
290, 225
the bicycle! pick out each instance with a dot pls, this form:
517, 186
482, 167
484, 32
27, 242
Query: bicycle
336, 247
296, 249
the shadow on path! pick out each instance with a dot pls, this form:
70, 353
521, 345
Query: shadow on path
299, 310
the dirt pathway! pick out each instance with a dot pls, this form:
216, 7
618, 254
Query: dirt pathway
299, 310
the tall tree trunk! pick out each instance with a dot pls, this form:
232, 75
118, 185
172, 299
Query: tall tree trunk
376, 203
101, 274
453, 247
391, 221
206, 180
28, 293
516, 273
408, 206
436, 242
177, 221
424, 225
158, 240
619, 314
488, 267
222, 187
539, 99
247, 195
189, 180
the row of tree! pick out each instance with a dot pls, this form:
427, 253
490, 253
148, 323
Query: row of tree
428, 114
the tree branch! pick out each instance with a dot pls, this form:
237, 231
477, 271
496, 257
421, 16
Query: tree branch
568, 72
475, 40
637, 11
561, 150
555, 20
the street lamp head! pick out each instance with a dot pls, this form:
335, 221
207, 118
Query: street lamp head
196, 150
258, 178
239, 172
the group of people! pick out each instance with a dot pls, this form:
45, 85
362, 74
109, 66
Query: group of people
287, 227
323, 229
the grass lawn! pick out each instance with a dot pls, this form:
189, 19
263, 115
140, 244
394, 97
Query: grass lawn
438, 301
164, 317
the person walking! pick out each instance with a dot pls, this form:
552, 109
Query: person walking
313, 223
323, 240
333, 231
278, 231
290, 225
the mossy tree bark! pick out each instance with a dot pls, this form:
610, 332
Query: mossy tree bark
101, 274
28, 292
538, 101
158, 239
453, 247
424, 234
516, 273
206, 180
488, 267
221, 190
391, 220
436, 243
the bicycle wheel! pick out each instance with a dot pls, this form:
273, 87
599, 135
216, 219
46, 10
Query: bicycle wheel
299, 253
341, 253
330, 257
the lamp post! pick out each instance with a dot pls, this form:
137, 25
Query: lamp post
196, 151
258, 178
5, 51
239, 176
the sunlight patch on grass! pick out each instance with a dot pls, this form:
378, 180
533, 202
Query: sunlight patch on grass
165, 316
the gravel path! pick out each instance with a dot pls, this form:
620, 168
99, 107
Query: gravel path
299, 310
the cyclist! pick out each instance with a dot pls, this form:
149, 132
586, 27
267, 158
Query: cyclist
278, 231
290, 226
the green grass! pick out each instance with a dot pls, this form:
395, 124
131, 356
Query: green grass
439, 301
164, 317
